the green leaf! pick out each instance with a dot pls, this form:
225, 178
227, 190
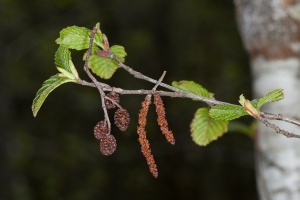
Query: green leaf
206, 129
78, 38
98, 25
119, 52
64, 63
191, 87
227, 112
275, 95
47, 87
103, 67
242, 100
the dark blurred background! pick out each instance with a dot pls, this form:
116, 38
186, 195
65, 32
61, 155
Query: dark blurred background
55, 156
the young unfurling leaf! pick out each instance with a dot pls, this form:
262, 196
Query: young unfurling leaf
64, 63
275, 95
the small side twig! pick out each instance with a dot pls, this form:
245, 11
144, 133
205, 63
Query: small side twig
277, 129
113, 101
146, 78
159, 81
280, 117
95, 82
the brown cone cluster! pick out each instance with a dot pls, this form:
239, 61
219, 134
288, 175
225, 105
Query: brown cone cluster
145, 146
122, 119
114, 96
108, 143
161, 118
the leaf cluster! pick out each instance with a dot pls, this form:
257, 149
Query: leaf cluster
78, 38
210, 123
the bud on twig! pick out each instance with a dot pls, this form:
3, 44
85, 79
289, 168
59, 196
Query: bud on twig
250, 109
105, 42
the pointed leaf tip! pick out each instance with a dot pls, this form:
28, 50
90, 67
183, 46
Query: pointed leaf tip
98, 25
47, 87
275, 95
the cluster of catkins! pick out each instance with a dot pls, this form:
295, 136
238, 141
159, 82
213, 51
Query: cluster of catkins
162, 122
108, 142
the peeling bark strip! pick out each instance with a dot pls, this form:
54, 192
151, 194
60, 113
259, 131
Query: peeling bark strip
270, 31
270, 27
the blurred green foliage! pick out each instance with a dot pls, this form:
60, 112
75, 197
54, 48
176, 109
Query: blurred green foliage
55, 155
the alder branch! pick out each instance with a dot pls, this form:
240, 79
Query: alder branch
277, 129
176, 92
181, 94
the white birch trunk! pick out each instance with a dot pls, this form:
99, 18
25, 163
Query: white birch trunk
270, 30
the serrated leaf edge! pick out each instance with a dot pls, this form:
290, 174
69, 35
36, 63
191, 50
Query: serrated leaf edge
261, 102
36, 104
178, 84
235, 109
192, 129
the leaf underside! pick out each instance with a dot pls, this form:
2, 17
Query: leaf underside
205, 129
119, 52
103, 67
191, 87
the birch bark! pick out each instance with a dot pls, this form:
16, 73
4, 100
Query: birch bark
270, 30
